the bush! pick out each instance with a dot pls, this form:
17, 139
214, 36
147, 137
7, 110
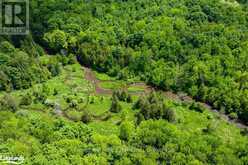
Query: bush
129, 99
73, 104
63, 59
139, 103
153, 107
197, 107
49, 103
7, 102
4, 82
55, 92
72, 59
26, 100
126, 130
68, 99
7, 47
55, 69
40, 50
233, 116
74, 115
122, 95
106, 117
139, 118
244, 131
92, 100
169, 115
115, 106
86, 117
39, 97
209, 129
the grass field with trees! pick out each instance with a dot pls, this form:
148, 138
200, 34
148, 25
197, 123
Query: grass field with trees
89, 84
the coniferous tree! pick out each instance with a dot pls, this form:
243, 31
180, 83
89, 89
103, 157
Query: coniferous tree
115, 106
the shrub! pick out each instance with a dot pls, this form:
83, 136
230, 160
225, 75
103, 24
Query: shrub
49, 103
138, 104
40, 50
92, 100
55, 69
209, 129
26, 100
233, 116
129, 99
55, 92
139, 118
123, 95
126, 130
39, 97
115, 106
209, 117
73, 104
68, 99
74, 115
197, 107
7, 102
153, 107
169, 115
72, 59
107, 116
63, 59
244, 131
4, 81
7, 47
86, 117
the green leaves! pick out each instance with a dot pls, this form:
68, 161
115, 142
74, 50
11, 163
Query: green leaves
7, 47
126, 130
56, 39
153, 107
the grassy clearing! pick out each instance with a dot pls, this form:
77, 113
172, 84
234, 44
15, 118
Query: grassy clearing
113, 85
99, 105
136, 88
70, 84
103, 77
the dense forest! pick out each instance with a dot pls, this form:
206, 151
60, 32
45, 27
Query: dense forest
198, 47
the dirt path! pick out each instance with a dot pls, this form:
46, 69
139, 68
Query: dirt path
90, 76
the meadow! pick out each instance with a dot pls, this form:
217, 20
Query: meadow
72, 100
